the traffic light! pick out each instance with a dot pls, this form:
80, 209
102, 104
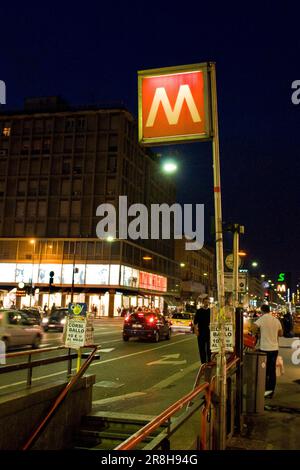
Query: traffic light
51, 280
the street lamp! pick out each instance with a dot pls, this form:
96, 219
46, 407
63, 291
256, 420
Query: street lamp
169, 167
254, 264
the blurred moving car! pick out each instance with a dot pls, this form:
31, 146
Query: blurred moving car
17, 329
183, 321
33, 314
147, 325
56, 320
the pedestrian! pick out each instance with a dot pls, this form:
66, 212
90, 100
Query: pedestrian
270, 329
287, 325
201, 323
45, 310
53, 308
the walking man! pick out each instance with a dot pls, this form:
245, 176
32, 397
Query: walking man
201, 323
270, 329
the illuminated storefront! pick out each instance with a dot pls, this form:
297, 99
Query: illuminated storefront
107, 288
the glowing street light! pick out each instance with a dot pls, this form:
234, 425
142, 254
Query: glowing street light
182, 265
254, 264
169, 167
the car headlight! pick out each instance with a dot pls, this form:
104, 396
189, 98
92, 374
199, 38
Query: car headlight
63, 321
45, 320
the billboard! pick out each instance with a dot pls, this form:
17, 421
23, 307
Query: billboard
174, 104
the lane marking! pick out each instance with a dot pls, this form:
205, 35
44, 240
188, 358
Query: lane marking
118, 398
100, 362
138, 353
166, 360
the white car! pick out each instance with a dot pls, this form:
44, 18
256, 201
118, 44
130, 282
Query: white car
17, 329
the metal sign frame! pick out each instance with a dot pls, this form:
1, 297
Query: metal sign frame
169, 139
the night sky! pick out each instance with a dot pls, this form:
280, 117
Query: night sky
91, 53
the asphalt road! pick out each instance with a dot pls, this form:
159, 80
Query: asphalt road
135, 377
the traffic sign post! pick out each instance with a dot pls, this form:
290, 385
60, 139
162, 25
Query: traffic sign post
194, 85
78, 331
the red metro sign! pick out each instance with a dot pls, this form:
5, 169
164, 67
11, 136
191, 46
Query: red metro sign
174, 104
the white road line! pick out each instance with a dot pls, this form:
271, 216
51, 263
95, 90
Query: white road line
138, 353
98, 363
118, 398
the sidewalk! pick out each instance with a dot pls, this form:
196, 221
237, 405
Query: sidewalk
278, 428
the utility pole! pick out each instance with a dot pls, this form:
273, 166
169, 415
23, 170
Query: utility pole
74, 271
237, 229
221, 378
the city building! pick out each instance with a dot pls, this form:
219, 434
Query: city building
57, 165
197, 271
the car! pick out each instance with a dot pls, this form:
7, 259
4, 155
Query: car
182, 321
17, 329
146, 325
33, 314
56, 320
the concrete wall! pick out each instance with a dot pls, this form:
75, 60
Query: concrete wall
21, 412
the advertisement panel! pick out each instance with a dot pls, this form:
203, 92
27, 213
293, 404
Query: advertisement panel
174, 104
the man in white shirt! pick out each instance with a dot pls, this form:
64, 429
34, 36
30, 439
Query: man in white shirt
270, 329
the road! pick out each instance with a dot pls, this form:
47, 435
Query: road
136, 376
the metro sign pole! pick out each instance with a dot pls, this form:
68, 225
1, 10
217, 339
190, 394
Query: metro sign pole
221, 357
179, 104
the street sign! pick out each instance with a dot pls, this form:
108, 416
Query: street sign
229, 261
215, 337
75, 333
228, 282
78, 309
79, 330
174, 104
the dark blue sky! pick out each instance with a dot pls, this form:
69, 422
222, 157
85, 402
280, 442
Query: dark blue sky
92, 53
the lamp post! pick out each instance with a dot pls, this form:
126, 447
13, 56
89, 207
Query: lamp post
74, 271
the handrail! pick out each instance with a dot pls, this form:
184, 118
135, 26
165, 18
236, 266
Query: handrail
133, 440
70, 385
33, 351
140, 435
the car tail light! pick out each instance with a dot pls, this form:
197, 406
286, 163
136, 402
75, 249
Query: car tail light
127, 318
191, 323
140, 314
151, 320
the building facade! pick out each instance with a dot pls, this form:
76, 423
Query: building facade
57, 165
197, 270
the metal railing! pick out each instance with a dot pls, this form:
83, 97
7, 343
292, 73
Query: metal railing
30, 364
62, 395
208, 387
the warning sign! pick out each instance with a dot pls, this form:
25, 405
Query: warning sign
75, 333
215, 337
78, 332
